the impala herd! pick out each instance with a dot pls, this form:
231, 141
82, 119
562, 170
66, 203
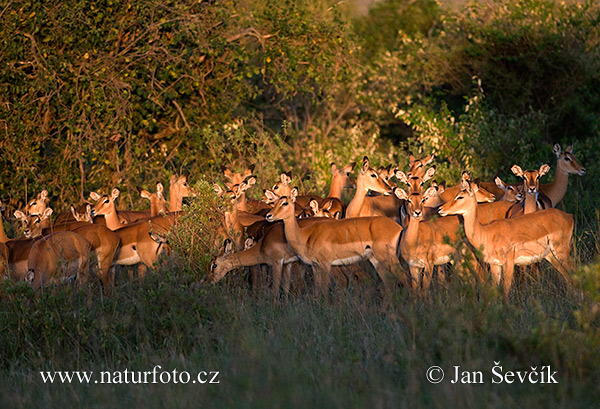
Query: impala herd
404, 232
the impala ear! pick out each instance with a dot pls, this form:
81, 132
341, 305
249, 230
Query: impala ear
95, 196
516, 169
251, 181
349, 168
365, 165
500, 183
159, 189
544, 169
430, 192
556, 150
88, 211
466, 176
218, 189
401, 176
411, 157
337, 215
73, 212
429, 174
47, 213
294, 194
228, 246
569, 149
115, 193
173, 180
400, 193
145, 194
428, 159
333, 168
20, 215
314, 205
285, 178
44, 194
249, 243
271, 197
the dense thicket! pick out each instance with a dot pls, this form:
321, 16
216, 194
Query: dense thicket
105, 93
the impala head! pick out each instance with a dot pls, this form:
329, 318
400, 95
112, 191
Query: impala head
343, 174
282, 188
464, 201
415, 202
179, 188
387, 173
417, 166
531, 178
567, 161
158, 203
217, 268
369, 179
32, 224
283, 208
83, 217
235, 178
512, 194
415, 183
38, 205
481, 194
325, 211
104, 204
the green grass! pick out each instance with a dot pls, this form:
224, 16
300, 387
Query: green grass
351, 350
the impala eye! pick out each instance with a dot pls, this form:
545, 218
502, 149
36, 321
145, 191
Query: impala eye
275, 187
106, 201
373, 175
568, 159
284, 204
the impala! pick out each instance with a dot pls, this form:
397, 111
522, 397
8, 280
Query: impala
521, 241
58, 257
534, 200
158, 204
341, 242
426, 244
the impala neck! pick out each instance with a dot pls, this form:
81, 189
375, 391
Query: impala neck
176, 200
113, 221
293, 233
337, 184
356, 204
557, 189
410, 236
3, 237
473, 228
530, 205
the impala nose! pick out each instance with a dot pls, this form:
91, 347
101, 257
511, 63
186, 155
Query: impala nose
582, 172
269, 217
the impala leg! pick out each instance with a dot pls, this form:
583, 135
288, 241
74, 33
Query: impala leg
563, 265
509, 272
277, 268
287, 277
415, 278
427, 276
496, 273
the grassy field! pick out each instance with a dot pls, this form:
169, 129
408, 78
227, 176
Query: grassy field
349, 350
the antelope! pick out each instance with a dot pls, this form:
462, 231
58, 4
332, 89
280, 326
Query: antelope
158, 204
142, 242
511, 193
426, 244
483, 195
37, 206
85, 216
417, 166
238, 177
105, 206
32, 225
58, 257
178, 190
340, 242
367, 180
525, 240
566, 164
534, 200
